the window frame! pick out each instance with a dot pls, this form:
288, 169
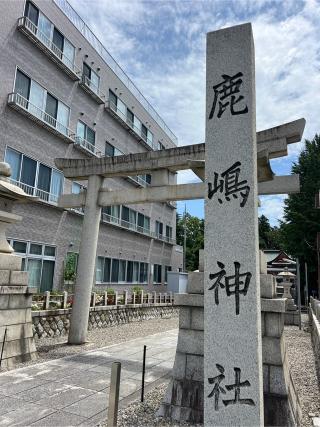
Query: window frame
37, 170
46, 91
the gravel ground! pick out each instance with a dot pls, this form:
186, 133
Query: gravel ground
139, 414
54, 348
304, 370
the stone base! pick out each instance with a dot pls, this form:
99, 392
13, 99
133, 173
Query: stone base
291, 318
16, 335
183, 401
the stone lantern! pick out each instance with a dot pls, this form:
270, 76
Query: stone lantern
287, 278
16, 336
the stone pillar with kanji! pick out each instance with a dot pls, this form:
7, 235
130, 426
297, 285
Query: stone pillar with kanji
233, 389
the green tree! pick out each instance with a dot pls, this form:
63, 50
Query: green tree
194, 240
301, 218
269, 237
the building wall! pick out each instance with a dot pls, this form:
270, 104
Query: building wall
46, 223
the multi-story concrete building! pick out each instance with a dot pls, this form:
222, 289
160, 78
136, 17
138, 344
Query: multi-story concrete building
63, 95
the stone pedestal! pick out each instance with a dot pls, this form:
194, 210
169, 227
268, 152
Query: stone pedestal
16, 336
291, 316
184, 397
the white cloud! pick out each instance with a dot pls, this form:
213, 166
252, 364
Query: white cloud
162, 44
272, 208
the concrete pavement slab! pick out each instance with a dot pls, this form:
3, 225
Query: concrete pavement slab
89, 406
74, 390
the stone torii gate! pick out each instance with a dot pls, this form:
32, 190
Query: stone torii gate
234, 168
162, 165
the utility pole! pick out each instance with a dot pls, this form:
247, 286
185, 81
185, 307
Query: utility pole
306, 287
184, 237
298, 291
318, 259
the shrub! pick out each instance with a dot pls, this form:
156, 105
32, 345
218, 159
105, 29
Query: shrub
70, 266
137, 290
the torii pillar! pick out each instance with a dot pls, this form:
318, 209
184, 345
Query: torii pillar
86, 262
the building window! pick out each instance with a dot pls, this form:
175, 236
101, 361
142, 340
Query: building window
112, 270
39, 260
33, 177
130, 117
91, 78
168, 233
113, 99
127, 116
143, 273
160, 146
111, 150
144, 132
77, 189
157, 273
159, 229
42, 104
50, 35
86, 135
166, 269
143, 223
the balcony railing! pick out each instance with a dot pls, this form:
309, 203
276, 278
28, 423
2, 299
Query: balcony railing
134, 227
139, 180
91, 89
162, 237
33, 191
19, 103
48, 47
112, 108
86, 146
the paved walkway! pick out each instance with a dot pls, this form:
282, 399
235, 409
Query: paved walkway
74, 390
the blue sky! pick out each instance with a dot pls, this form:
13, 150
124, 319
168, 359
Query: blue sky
161, 46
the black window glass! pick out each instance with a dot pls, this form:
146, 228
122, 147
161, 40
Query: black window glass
32, 13
130, 116
140, 220
20, 247
35, 249
125, 213
90, 136
106, 210
51, 106
106, 271
47, 275
148, 178
112, 98
86, 70
109, 150
44, 178
28, 172
22, 85
50, 251
58, 39
115, 271
144, 131
129, 271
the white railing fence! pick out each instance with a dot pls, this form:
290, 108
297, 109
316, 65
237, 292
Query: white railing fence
53, 301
